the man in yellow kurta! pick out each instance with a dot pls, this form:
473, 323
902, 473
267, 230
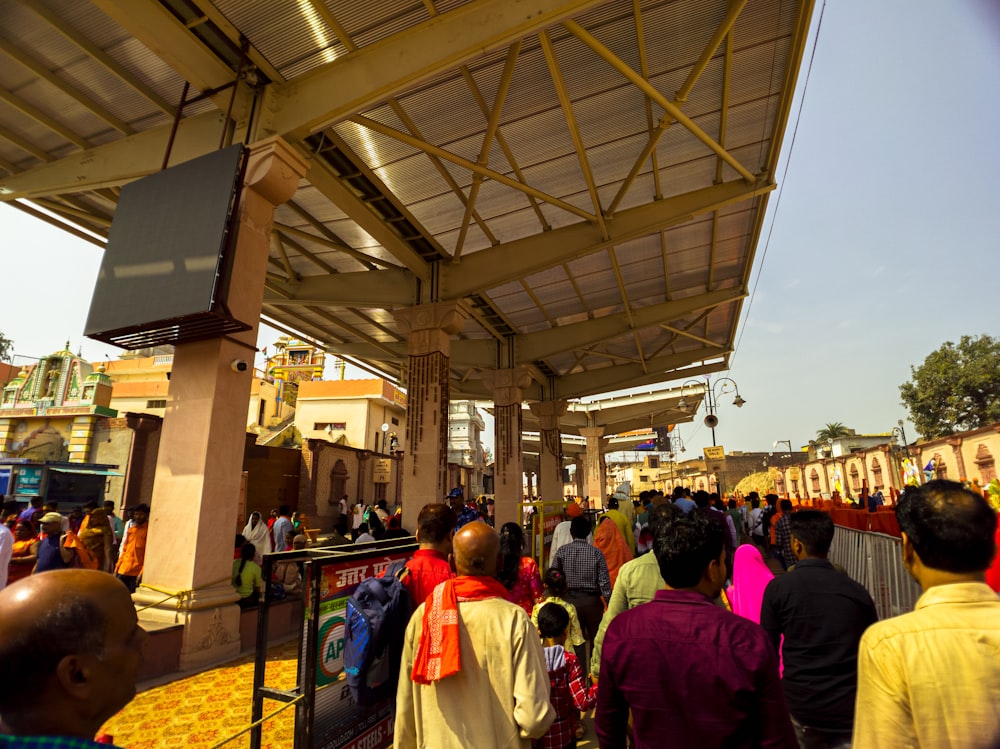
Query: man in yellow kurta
473, 673
931, 678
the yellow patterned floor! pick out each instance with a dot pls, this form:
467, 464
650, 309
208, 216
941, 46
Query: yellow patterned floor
203, 710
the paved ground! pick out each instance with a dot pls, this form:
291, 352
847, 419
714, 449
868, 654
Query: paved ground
202, 710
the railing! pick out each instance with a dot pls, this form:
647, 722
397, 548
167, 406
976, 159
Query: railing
875, 561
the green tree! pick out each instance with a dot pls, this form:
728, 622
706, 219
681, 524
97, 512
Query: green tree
5, 346
956, 388
832, 431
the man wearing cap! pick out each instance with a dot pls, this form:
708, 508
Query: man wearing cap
52, 551
561, 535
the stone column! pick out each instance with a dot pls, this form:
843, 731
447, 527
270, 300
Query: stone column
579, 477
142, 426
596, 482
550, 483
196, 491
956, 448
429, 328
508, 472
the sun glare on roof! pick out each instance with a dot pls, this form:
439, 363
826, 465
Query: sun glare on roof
319, 30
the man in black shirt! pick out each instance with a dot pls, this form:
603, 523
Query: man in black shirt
822, 614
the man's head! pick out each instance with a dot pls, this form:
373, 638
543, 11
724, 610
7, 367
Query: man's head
72, 639
678, 492
812, 533
690, 553
573, 510
284, 511
786, 505
477, 550
109, 507
435, 526
771, 499
579, 527
663, 515
51, 523
299, 542
755, 503
701, 498
946, 529
612, 503
140, 514
362, 529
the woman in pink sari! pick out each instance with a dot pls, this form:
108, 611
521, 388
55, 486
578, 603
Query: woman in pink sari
612, 544
750, 576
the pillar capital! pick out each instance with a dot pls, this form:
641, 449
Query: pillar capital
591, 432
507, 384
548, 412
274, 170
431, 326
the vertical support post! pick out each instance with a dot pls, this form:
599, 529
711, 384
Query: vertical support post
429, 328
197, 487
594, 465
550, 484
508, 473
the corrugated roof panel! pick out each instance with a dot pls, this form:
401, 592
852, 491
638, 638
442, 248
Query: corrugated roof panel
368, 23
289, 33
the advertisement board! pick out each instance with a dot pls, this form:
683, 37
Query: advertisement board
29, 481
338, 722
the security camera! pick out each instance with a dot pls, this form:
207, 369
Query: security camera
238, 365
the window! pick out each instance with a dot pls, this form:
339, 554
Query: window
395, 421
156, 404
322, 426
877, 481
814, 479
644, 478
855, 479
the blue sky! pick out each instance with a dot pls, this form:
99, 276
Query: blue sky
884, 245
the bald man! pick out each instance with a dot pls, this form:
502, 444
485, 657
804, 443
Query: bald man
70, 648
473, 672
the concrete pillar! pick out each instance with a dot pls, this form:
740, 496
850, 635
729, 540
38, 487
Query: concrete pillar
507, 386
550, 483
429, 328
579, 477
197, 487
596, 483
142, 426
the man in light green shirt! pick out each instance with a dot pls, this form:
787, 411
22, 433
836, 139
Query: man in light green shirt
637, 583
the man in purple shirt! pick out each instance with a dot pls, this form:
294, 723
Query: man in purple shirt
692, 674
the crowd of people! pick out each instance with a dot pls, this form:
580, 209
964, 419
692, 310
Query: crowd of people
40, 539
698, 642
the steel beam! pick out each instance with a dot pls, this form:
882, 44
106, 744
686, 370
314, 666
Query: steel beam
513, 260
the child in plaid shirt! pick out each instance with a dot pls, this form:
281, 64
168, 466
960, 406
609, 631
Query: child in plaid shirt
570, 692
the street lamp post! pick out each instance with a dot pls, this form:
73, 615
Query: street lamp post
902, 447
712, 392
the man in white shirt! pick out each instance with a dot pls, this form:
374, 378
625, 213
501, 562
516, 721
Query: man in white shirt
561, 535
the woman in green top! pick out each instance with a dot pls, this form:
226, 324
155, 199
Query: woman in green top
246, 577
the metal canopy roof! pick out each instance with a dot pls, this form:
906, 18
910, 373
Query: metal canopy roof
588, 177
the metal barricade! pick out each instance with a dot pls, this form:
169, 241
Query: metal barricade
875, 561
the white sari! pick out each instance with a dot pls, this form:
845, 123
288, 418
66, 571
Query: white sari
258, 536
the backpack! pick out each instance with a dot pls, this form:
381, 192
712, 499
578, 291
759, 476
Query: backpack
374, 626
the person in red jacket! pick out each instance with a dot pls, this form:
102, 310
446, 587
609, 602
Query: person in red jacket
430, 564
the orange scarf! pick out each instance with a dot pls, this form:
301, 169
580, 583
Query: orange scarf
438, 653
